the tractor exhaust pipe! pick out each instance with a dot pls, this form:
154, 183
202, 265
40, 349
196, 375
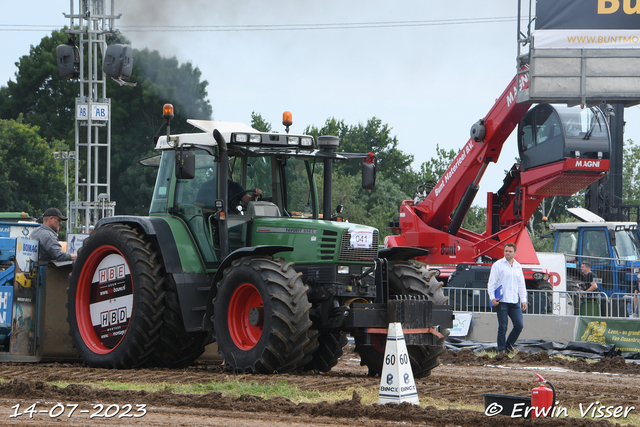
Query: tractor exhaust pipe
328, 144
223, 188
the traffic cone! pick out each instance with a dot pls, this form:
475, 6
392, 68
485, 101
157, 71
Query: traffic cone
396, 383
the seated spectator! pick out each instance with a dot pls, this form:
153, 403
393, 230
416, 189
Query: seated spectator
589, 284
591, 293
632, 301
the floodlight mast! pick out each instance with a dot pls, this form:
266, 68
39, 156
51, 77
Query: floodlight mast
93, 21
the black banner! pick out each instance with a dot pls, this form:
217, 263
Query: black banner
587, 14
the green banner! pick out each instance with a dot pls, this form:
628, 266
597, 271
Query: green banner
624, 333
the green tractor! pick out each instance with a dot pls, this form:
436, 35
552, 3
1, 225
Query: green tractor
274, 282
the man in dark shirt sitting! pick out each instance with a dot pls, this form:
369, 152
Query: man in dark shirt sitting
235, 192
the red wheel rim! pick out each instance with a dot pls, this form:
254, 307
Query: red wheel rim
243, 333
85, 289
379, 342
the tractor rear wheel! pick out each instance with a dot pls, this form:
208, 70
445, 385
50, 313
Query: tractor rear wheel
115, 298
406, 278
261, 317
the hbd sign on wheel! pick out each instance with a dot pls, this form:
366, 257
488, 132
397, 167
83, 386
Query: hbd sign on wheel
111, 299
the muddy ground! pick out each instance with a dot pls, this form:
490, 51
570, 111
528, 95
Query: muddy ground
462, 377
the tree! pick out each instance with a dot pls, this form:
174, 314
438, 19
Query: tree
30, 179
44, 99
258, 123
434, 168
136, 112
373, 137
136, 119
476, 219
631, 173
375, 208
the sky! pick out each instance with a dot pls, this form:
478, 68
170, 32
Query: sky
427, 69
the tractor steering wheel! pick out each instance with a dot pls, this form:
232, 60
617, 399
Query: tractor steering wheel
239, 197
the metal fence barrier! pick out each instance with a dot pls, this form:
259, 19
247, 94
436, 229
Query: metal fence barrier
569, 303
614, 276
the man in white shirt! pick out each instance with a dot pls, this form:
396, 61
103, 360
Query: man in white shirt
505, 286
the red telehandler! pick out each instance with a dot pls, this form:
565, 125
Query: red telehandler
562, 150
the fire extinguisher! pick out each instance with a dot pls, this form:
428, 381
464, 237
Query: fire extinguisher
542, 398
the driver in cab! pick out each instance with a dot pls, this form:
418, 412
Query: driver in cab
235, 192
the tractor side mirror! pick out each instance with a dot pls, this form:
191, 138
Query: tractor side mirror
368, 176
185, 164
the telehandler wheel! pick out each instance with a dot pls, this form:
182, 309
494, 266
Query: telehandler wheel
406, 278
115, 298
328, 352
261, 316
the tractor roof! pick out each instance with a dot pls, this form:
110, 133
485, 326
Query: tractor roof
246, 136
611, 225
591, 220
249, 141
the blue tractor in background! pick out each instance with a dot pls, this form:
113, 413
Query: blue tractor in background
612, 249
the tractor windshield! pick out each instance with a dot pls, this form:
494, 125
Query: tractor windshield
202, 190
284, 181
299, 197
627, 245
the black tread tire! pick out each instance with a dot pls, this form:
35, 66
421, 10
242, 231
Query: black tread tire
176, 348
142, 333
310, 349
407, 278
329, 351
285, 341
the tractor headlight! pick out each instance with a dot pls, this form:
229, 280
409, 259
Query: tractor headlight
293, 140
541, 276
245, 138
306, 142
343, 269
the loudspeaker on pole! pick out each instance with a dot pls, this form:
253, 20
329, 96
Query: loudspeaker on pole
396, 382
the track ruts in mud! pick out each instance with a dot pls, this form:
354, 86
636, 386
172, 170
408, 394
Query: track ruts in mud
462, 377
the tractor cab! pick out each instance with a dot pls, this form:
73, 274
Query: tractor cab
239, 189
549, 133
612, 249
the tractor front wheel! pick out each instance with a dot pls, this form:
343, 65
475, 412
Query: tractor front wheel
261, 317
406, 278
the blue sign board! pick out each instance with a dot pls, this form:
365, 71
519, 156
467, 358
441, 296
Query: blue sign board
6, 302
